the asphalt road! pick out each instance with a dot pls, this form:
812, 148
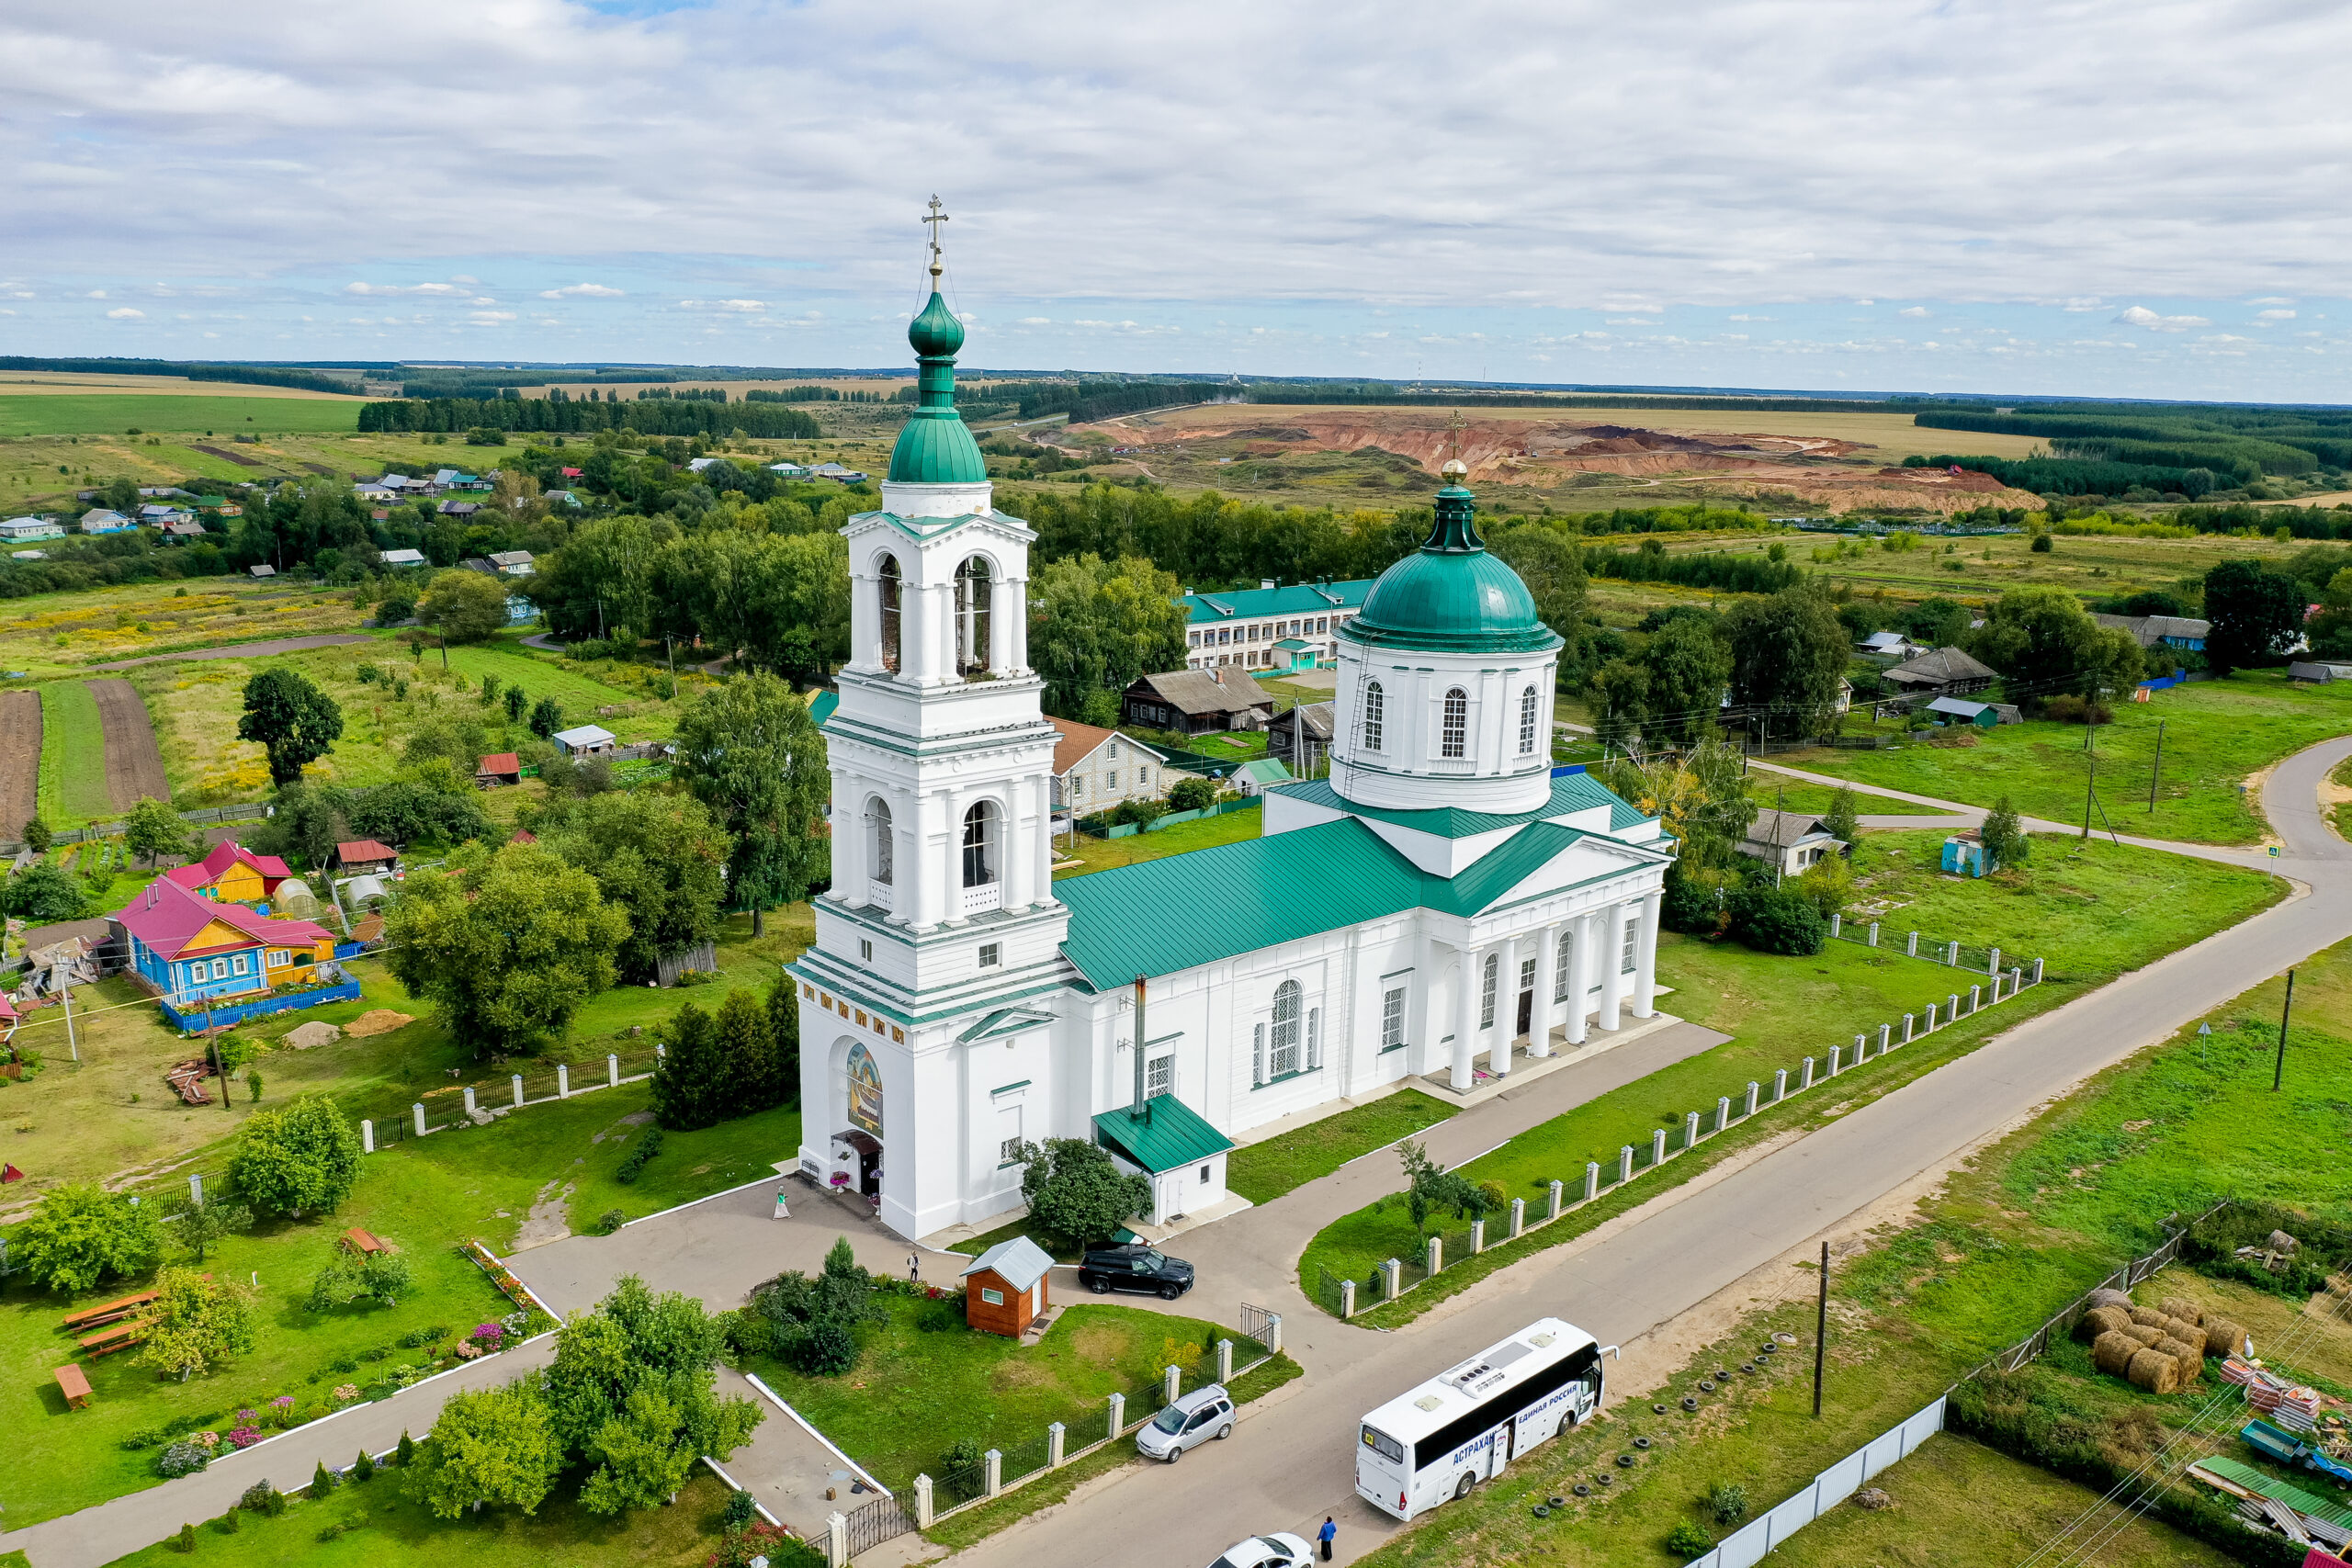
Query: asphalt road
1292, 1460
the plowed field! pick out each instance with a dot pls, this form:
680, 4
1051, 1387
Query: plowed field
134, 762
19, 760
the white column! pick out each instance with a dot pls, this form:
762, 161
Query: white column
1547, 965
1645, 958
849, 844
1018, 866
1610, 954
1000, 628
905, 858
936, 866
865, 621
1466, 1019
1506, 1006
1580, 937
1429, 1021
1017, 626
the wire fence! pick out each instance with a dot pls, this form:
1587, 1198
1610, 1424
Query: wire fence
1950, 952
389, 1120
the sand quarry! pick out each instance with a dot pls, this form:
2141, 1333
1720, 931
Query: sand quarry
1541, 450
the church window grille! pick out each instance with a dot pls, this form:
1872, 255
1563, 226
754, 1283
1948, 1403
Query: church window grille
1567, 946
883, 846
1527, 974
1456, 724
979, 845
864, 951
1257, 1054
1487, 993
1313, 1038
1632, 941
992, 955
1375, 708
1392, 1019
891, 592
1283, 1059
1527, 706
975, 597
1159, 1075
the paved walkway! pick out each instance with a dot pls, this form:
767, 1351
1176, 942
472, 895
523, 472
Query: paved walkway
1292, 1460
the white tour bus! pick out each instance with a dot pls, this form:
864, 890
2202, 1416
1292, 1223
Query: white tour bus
1462, 1426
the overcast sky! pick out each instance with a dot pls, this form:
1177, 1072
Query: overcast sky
2039, 197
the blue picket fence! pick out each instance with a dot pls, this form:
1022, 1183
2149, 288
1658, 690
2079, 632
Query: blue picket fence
193, 1017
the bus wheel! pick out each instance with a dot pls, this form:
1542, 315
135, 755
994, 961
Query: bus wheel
1462, 1487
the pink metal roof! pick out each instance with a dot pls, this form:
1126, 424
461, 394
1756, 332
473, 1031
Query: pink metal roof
168, 917
226, 853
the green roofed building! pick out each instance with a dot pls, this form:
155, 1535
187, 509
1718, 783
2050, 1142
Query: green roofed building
1439, 908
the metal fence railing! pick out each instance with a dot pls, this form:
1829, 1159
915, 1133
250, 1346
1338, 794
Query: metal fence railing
387, 1119
1947, 952
865, 1527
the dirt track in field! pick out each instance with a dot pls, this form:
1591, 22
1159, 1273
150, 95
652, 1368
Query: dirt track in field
241, 649
19, 760
134, 762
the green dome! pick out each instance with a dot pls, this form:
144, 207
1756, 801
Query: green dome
1451, 596
935, 448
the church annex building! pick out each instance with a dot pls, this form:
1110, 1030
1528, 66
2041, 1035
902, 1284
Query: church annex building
1440, 905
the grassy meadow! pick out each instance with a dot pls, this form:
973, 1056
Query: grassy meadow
114, 413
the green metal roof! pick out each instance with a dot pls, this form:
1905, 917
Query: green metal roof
821, 706
1452, 596
1264, 770
2268, 1486
935, 447
1570, 791
1169, 1134
1161, 916
1294, 599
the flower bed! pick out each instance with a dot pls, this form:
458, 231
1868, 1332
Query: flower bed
538, 1318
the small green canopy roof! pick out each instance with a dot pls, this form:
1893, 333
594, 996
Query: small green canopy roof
1168, 1134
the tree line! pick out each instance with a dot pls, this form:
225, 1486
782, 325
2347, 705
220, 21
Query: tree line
664, 417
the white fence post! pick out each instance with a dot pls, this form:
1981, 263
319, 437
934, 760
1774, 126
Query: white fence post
1478, 1235
993, 1472
1837, 923
836, 1539
1932, 1019
1224, 1361
1395, 1281
1886, 1038
1976, 997
1689, 1130
1909, 1023
1873, 934
1558, 1189
196, 1189
470, 1100
367, 1137
1658, 1146
1951, 1007
1433, 1254
1806, 1082
1748, 1107
2016, 977
1951, 955
1175, 1378
418, 1109
518, 1088
1346, 1301
2037, 971
1518, 1217
1779, 1085
1273, 1340
1591, 1180
1119, 1405
1055, 1435
563, 1080
612, 1070
922, 1502
1625, 1163
1911, 948
1836, 1055
1723, 1112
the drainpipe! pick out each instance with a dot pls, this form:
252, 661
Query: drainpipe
1138, 1107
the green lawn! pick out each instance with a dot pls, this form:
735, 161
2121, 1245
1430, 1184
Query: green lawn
2218, 734
428, 1196
1773, 793
1100, 854
73, 756
1262, 1172
542, 675
98, 413
2091, 911
372, 1518
913, 1394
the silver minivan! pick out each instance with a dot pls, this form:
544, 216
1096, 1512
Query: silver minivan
1193, 1420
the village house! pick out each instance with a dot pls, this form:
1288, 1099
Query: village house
1789, 840
1890, 645
15, 530
105, 520
2185, 632
1301, 738
1197, 702
191, 947
1941, 672
232, 872
356, 857
585, 740
403, 558
1005, 1290
1269, 627
497, 768
1094, 769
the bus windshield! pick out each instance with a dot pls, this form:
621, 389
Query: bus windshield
1384, 1445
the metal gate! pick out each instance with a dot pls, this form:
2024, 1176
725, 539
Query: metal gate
882, 1520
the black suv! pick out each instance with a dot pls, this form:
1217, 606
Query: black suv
1136, 1268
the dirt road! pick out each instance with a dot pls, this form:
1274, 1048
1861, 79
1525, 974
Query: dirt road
242, 649
19, 758
134, 762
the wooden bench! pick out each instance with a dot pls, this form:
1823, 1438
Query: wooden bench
363, 1244
90, 1317
121, 1337
74, 1386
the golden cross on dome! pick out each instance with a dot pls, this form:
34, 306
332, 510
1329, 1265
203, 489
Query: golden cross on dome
1454, 428
935, 217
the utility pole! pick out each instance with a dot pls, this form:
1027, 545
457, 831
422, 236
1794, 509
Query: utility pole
1821, 1332
71, 1045
2278, 1073
2088, 762
1780, 802
2158, 769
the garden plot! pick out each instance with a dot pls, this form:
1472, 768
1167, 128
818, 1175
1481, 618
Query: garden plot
19, 760
134, 762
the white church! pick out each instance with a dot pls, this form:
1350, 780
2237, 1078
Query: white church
1439, 907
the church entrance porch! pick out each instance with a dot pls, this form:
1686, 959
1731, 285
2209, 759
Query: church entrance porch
857, 1163
1526, 1066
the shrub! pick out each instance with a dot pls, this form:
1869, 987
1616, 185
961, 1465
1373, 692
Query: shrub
261, 1497
181, 1458
323, 1482
1773, 919
1686, 1540
2042, 544
649, 1143
960, 1470
1689, 904
610, 1221
186, 1540
146, 1440
941, 1317
364, 1467
739, 1512
1192, 795
1727, 1500
228, 1523
407, 1449
827, 1350
419, 1339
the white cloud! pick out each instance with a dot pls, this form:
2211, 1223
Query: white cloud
2140, 316
490, 318
1744, 316
1915, 311
398, 289
96, 294
125, 314
2270, 299
2275, 316
581, 291
744, 307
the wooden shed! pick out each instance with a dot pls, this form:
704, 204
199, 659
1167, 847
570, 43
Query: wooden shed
1006, 1287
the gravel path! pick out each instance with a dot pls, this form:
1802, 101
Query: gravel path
243, 649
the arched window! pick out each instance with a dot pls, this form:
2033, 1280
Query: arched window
1487, 993
1456, 723
1527, 706
1283, 1057
1375, 710
891, 588
980, 844
880, 845
974, 595
1567, 946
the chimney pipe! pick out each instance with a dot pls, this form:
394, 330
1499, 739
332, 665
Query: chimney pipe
1138, 1107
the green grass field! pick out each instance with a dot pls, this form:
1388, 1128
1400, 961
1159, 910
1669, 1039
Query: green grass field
2218, 735
2090, 911
113, 413
913, 1394
1264, 1171
73, 756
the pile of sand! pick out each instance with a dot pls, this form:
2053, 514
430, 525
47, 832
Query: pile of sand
312, 1034
381, 1021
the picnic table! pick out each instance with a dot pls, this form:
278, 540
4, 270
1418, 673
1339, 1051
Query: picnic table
118, 1336
363, 1243
74, 1386
90, 1317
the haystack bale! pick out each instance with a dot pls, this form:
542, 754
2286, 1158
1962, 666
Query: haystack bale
2185, 1330
2141, 1336
2190, 1358
2111, 1352
2147, 1317
2223, 1338
2104, 1297
2104, 1320
2154, 1371
2182, 1308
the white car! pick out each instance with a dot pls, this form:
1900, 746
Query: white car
1280, 1550
1193, 1420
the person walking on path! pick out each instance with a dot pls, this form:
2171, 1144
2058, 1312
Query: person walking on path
1326, 1535
915, 1267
